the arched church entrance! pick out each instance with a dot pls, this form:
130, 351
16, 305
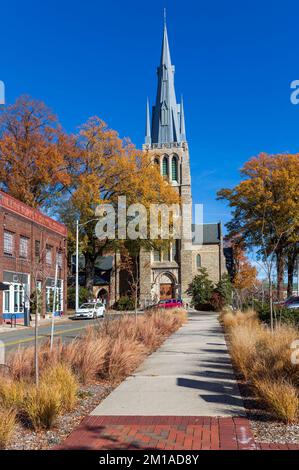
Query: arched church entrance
103, 295
167, 286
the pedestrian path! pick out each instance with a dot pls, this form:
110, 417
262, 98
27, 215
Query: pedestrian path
184, 396
190, 375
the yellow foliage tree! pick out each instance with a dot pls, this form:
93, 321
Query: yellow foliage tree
266, 207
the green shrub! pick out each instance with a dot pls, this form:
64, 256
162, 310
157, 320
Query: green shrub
201, 289
125, 303
84, 295
224, 288
283, 315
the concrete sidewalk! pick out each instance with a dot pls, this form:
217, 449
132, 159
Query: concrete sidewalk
190, 375
184, 397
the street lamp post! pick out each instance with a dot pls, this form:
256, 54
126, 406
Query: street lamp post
77, 266
77, 259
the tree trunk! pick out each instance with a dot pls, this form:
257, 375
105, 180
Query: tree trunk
280, 271
291, 267
271, 303
89, 272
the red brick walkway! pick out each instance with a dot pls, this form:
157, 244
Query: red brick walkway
165, 432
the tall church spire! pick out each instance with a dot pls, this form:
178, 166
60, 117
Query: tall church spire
166, 116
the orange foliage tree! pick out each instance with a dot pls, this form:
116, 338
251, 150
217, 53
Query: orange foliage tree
244, 279
33, 153
245, 276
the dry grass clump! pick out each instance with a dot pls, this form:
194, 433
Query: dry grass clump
243, 342
7, 426
123, 358
166, 322
11, 393
61, 376
264, 359
146, 334
42, 405
21, 363
86, 356
231, 319
56, 393
280, 397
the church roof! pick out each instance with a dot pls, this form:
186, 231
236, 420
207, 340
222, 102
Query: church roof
206, 234
104, 263
168, 121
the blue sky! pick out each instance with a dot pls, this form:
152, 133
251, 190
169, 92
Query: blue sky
234, 64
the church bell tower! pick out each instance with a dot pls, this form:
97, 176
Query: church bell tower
166, 143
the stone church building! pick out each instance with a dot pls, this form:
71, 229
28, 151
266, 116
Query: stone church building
168, 274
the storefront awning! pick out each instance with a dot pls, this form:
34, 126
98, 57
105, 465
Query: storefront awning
4, 286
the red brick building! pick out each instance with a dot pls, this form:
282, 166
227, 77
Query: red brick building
31, 244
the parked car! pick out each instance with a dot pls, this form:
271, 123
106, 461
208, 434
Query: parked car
168, 303
292, 302
90, 310
291, 299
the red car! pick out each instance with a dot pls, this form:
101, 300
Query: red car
170, 303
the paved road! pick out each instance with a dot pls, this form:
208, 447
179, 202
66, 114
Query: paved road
67, 330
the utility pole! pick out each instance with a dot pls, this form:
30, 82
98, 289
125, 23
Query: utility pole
54, 304
77, 266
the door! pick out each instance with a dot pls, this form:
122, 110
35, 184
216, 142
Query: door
166, 291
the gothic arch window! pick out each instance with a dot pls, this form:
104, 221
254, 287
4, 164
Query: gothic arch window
157, 162
174, 168
198, 261
165, 171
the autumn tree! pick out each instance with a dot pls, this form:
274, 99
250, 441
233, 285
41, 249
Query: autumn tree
108, 167
244, 274
266, 207
34, 153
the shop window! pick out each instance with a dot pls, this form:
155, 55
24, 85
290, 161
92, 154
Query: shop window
9, 241
37, 249
24, 247
49, 255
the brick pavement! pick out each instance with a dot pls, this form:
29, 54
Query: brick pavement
165, 433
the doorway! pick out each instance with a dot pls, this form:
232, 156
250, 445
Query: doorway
166, 291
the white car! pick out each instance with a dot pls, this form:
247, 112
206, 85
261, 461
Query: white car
90, 310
